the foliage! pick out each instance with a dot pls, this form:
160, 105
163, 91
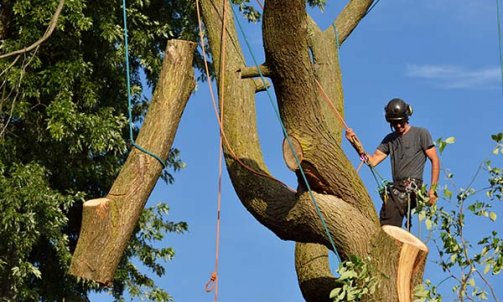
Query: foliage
466, 262
32, 213
252, 15
355, 281
63, 130
152, 228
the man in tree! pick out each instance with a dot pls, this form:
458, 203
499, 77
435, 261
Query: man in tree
409, 147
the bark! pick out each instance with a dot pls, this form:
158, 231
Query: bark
313, 271
298, 54
108, 223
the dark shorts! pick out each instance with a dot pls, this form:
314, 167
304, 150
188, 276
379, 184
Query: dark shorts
399, 203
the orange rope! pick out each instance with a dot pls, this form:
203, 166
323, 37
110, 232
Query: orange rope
219, 120
260, 4
212, 284
331, 104
354, 140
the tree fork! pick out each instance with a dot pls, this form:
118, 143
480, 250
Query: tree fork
108, 223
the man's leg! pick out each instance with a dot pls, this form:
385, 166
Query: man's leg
390, 214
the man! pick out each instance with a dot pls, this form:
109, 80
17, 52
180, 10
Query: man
408, 148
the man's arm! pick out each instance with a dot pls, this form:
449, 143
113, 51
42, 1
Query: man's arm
376, 158
432, 155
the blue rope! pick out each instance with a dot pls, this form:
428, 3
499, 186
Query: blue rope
499, 41
285, 135
130, 106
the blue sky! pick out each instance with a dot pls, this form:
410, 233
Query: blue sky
441, 56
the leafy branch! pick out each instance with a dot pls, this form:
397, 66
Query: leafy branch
467, 263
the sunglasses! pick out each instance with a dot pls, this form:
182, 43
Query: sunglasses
396, 123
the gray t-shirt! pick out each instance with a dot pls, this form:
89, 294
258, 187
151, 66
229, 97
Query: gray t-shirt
407, 152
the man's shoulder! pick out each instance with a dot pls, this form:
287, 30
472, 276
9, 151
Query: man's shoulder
390, 137
417, 129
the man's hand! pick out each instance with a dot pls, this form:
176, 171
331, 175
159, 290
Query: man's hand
350, 134
432, 194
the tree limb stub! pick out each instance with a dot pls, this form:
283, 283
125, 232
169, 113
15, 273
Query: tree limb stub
108, 223
413, 254
253, 71
260, 85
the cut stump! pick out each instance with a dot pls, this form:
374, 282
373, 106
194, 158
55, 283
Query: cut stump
413, 254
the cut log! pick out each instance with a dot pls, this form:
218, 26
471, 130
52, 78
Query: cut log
288, 154
108, 223
413, 254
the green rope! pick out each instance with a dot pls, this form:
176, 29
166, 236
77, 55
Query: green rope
130, 107
499, 41
285, 135
336, 36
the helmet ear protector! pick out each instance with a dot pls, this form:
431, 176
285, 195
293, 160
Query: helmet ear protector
397, 110
409, 110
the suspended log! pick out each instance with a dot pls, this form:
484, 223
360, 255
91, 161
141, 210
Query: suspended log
108, 223
413, 253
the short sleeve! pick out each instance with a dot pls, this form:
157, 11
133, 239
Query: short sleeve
425, 139
384, 146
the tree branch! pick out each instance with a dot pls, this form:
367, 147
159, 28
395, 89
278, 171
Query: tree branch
48, 33
349, 18
313, 272
252, 71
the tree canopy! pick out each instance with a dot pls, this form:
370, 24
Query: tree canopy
64, 136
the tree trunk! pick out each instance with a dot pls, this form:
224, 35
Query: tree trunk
108, 223
298, 55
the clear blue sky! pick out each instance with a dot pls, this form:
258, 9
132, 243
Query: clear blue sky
440, 56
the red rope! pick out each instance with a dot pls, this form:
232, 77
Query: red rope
260, 4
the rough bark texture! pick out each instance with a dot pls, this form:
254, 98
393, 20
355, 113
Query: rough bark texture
298, 54
108, 223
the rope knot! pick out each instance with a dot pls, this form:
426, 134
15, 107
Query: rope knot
211, 283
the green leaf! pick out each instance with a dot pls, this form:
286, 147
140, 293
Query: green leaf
487, 268
428, 224
492, 216
450, 140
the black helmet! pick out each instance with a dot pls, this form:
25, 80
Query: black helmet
397, 110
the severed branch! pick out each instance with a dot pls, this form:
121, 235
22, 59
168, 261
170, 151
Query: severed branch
108, 223
47, 34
